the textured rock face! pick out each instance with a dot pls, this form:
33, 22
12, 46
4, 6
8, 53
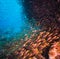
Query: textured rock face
45, 46
43, 11
54, 52
39, 8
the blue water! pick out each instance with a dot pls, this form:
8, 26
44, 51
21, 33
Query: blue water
11, 14
12, 17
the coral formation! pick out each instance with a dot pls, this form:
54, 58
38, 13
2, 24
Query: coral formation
45, 44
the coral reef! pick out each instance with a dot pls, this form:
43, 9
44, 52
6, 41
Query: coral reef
42, 47
43, 44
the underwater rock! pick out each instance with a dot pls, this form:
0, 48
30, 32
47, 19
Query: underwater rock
39, 47
42, 46
54, 52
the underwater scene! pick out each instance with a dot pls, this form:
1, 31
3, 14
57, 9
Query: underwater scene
29, 29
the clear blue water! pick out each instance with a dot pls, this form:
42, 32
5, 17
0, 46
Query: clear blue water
12, 17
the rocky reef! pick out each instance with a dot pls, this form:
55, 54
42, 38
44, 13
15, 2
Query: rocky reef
45, 42
46, 45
